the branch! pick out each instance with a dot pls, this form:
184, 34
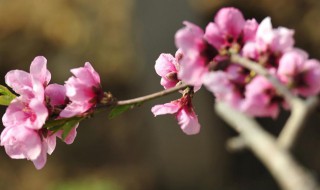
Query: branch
286, 171
301, 109
151, 96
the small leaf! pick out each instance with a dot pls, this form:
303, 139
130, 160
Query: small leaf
5, 100
6, 96
65, 124
119, 110
54, 123
67, 127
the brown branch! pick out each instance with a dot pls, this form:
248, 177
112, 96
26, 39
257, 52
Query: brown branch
151, 96
286, 171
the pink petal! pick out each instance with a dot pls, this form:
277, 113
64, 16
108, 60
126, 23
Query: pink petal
249, 30
265, 34
71, 136
167, 83
41, 160
188, 122
51, 143
87, 75
56, 94
168, 108
79, 91
190, 39
312, 78
38, 70
40, 112
14, 114
74, 109
283, 39
230, 21
250, 50
165, 64
291, 64
19, 81
258, 99
192, 70
93, 72
224, 90
213, 36
20, 142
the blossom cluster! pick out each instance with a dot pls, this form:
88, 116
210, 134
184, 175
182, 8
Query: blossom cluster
38, 102
168, 68
205, 59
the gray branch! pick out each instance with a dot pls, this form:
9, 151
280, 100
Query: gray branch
284, 168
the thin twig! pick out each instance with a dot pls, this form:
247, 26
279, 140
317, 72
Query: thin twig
301, 109
286, 171
151, 96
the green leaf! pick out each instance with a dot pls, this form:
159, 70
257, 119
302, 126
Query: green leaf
6, 96
58, 122
67, 127
5, 100
119, 110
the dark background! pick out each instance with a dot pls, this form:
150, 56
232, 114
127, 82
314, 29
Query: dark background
135, 151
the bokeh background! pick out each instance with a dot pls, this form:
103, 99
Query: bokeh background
135, 151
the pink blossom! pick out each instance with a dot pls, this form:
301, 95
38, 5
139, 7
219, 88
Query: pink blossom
197, 53
38, 70
167, 67
301, 74
221, 85
249, 30
25, 143
30, 85
226, 28
251, 50
21, 142
276, 40
83, 90
184, 113
30, 114
260, 98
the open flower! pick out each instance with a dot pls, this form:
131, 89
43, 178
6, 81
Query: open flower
83, 90
226, 28
197, 53
276, 40
184, 113
30, 85
261, 99
223, 88
25, 143
299, 72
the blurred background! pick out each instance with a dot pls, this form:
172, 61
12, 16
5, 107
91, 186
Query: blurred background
135, 151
